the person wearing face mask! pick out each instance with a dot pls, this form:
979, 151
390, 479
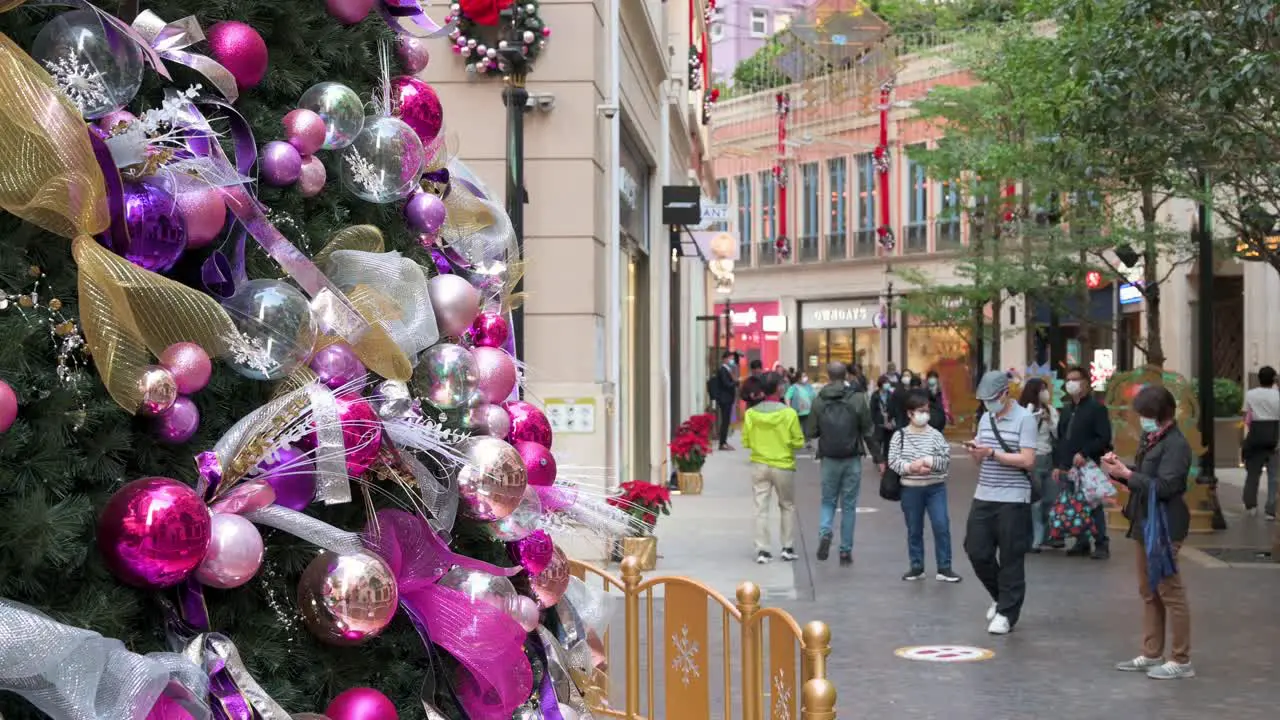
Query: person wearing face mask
921, 457
1158, 480
1084, 435
937, 408
881, 416
998, 532
1036, 398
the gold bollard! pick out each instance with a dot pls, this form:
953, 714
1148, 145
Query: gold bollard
630, 580
817, 646
818, 700
752, 672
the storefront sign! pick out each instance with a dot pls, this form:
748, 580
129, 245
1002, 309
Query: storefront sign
681, 205
817, 316
1130, 293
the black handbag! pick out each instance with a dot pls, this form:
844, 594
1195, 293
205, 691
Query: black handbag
890, 480
1036, 491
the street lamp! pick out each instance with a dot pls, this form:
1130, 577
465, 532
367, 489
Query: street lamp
515, 66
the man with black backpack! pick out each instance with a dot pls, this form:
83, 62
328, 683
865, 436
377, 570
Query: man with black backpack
840, 420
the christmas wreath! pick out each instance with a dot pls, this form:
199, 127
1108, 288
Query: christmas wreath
481, 35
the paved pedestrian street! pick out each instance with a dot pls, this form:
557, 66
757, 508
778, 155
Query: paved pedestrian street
921, 650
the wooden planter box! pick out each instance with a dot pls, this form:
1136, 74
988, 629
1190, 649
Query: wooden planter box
690, 483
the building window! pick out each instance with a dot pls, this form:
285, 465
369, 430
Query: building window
768, 217
717, 25
743, 191
948, 232
865, 236
917, 227
838, 204
759, 22
781, 20
810, 197
722, 199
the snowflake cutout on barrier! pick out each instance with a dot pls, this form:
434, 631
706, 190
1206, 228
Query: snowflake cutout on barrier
251, 352
781, 698
79, 82
363, 173
686, 656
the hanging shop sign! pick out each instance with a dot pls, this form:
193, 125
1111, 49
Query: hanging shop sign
840, 314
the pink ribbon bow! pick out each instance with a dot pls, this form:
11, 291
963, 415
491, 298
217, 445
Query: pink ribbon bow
489, 644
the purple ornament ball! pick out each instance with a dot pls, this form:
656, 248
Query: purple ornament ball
154, 532
496, 371
235, 553
179, 423
539, 463
413, 54
425, 213
490, 329
337, 364
305, 130
313, 176
417, 104
361, 703
349, 12
205, 213
528, 424
240, 49
189, 364
281, 163
154, 234
293, 477
166, 708
8, 406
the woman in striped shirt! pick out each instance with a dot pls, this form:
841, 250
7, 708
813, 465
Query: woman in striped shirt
921, 456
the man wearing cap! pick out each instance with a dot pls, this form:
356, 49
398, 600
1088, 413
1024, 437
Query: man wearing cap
998, 532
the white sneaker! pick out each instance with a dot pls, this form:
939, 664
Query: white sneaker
1171, 671
991, 612
999, 625
1142, 663
1251, 512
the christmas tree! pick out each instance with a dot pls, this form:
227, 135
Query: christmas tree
75, 444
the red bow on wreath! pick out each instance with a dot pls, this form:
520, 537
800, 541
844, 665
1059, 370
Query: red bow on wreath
484, 12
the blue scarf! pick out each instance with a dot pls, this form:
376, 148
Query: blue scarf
1155, 538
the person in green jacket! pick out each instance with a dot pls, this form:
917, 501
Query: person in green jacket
771, 430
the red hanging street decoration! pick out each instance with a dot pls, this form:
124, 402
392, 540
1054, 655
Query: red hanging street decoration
1093, 280
782, 244
884, 231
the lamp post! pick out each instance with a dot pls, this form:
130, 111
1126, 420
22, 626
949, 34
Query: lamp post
516, 99
1204, 381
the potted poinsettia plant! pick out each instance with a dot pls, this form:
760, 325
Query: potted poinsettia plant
645, 502
689, 450
702, 425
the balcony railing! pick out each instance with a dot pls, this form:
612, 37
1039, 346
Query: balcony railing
808, 248
947, 235
766, 253
837, 246
917, 238
864, 243
744, 254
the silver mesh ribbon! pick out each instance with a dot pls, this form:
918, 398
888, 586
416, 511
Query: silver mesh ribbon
440, 498
478, 228
333, 484
214, 651
590, 606
398, 281
70, 673
305, 527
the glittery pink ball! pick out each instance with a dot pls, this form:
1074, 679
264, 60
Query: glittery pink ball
305, 130
189, 364
539, 463
528, 423
349, 12
154, 532
417, 104
205, 213
496, 371
240, 49
413, 53
8, 406
312, 177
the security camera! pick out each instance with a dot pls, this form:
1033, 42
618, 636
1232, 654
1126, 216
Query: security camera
546, 102
608, 111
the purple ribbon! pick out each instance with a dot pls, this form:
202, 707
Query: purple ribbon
116, 237
406, 17
440, 177
221, 273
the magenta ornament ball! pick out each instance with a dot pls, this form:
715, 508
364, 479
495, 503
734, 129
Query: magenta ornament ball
490, 329
349, 12
539, 463
496, 372
413, 53
361, 433
166, 708
240, 49
305, 130
528, 423
179, 423
417, 104
281, 163
189, 364
235, 553
8, 406
425, 213
456, 303
361, 703
205, 213
154, 532
337, 364
312, 177
496, 421
290, 472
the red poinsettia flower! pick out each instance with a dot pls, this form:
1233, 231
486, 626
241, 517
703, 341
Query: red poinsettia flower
484, 12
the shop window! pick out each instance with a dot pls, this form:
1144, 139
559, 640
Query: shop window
743, 191
948, 229
768, 217
717, 25
810, 197
759, 22
722, 199
838, 205
917, 225
865, 234
851, 346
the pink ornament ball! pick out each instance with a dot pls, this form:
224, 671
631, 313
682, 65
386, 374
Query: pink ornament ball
528, 423
189, 364
496, 421
235, 553
361, 703
313, 176
154, 532
109, 121
417, 104
361, 433
305, 130
240, 49
496, 373
525, 611
413, 53
349, 12
456, 303
179, 423
490, 329
281, 164
337, 364
8, 406
539, 463
205, 213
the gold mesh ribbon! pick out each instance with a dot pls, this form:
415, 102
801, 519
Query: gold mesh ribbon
50, 178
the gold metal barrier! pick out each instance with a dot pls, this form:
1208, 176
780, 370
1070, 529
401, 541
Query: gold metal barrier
773, 651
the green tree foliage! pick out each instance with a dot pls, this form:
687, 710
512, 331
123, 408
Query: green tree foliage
72, 446
760, 71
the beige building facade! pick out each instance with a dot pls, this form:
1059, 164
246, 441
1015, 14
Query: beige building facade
611, 121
